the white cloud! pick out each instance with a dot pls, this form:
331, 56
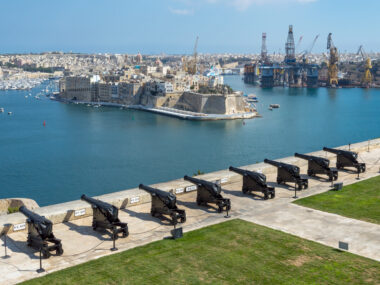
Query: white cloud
244, 4
239, 5
183, 12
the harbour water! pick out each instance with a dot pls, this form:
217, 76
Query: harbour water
100, 150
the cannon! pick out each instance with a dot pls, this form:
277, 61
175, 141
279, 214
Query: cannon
106, 216
164, 203
289, 173
209, 192
254, 182
318, 165
40, 234
346, 158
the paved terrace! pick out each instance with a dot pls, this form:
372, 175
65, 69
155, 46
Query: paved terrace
81, 243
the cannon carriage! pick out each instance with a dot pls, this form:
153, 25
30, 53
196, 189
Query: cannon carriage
289, 173
319, 165
40, 234
106, 217
346, 158
164, 203
209, 192
254, 182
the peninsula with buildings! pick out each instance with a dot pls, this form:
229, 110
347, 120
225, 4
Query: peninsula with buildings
151, 85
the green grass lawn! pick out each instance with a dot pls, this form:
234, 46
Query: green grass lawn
233, 252
359, 201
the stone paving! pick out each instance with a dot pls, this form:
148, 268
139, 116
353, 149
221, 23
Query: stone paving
81, 243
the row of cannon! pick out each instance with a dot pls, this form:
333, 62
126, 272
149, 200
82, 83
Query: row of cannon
106, 217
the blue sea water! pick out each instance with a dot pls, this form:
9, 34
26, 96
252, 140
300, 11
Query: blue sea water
100, 150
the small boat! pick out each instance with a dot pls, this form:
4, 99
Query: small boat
252, 98
88, 105
9, 113
96, 106
270, 108
1, 110
274, 105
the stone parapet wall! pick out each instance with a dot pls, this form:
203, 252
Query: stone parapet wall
63, 212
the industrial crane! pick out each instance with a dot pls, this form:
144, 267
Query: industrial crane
367, 76
333, 62
299, 42
308, 51
192, 64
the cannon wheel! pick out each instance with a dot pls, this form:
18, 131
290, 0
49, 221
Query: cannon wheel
266, 196
45, 253
174, 219
220, 209
59, 251
125, 233
272, 195
336, 176
183, 219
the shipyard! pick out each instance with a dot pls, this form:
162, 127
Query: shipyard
298, 68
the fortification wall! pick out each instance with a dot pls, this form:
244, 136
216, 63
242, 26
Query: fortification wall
63, 212
211, 103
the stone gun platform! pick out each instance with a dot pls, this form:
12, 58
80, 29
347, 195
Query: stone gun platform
81, 243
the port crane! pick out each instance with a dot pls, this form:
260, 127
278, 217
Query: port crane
299, 42
367, 76
332, 62
305, 53
191, 65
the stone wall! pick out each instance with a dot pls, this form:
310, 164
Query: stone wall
211, 103
16, 203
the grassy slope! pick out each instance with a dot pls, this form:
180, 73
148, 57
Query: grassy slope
359, 201
233, 252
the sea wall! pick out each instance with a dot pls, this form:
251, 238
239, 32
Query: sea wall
211, 103
78, 209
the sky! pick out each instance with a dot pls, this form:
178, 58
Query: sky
171, 26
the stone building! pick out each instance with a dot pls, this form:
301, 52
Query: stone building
76, 88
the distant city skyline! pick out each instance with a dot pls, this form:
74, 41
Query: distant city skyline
171, 26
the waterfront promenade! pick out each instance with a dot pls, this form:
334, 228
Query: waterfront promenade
81, 244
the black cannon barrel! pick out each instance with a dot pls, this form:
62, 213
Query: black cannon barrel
194, 180
156, 191
33, 217
212, 187
107, 209
346, 153
43, 226
96, 202
332, 150
274, 163
252, 174
238, 170
304, 156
